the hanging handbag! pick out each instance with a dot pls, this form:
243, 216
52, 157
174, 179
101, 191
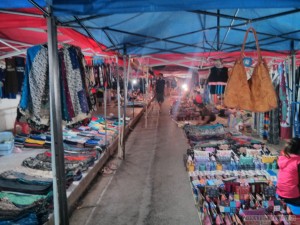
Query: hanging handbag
237, 92
262, 90
257, 95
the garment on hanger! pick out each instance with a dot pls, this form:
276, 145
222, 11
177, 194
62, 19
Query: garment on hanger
142, 83
20, 68
285, 130
75, 99
75, 82
34, 103
66, 101
217, 77
2, 79
195, 79
11, 79
274, 128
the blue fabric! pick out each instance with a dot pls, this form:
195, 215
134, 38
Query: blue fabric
25, 97
8, 4
73, 57
85, 7
30, 219
121, 6
135, 17
92, 142
294, 209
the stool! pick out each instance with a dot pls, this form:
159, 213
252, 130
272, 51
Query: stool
295, 209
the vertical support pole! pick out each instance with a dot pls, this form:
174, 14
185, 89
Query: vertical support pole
128, 79
105, 113
293, 78
125, 103
147, 96
58, 166
119, 108
218, 30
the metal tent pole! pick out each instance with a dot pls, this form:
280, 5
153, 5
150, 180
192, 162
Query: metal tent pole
125, 103
57, 151
147, 96
293, 79
105, 113
119, 108
132, 85
218, 30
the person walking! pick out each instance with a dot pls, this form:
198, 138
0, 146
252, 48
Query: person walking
160, 90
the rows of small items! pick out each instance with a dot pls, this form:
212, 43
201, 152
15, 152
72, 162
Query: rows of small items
215, 159
233, 178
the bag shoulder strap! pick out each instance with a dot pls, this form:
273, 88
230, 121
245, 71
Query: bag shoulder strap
256, 41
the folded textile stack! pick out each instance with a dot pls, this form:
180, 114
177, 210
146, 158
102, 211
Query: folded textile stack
182, 110
207, 132
6, 143
232, 175
24, 199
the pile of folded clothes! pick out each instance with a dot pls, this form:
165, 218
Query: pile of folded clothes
182, 110
24, 199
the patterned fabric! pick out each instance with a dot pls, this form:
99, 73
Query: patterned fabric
34, 102
21, 199
10, 174
207, 132
64, 90
74, 81
285, 124
274, 128
30, 219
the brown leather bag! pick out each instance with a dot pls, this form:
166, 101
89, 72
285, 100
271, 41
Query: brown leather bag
262, 90
237, 92
257, 95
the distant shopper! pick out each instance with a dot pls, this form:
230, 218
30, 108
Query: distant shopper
288, 173
206, 116
160, 90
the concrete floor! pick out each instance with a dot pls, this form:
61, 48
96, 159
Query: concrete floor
151, 187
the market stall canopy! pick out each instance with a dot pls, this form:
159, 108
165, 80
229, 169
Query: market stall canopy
187, 33
21, 31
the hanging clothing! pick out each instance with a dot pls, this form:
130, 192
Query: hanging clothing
34, 103
66, 101
11, 79
195, 79
75, 84
75, 101
217, 77
143, 85
20, 69
2, 79
274, 128
285, 130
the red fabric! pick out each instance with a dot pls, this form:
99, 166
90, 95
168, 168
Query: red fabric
286, 132
198, 99
288, 180
33, 31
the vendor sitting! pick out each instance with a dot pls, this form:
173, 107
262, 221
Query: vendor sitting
206, 116
197, 97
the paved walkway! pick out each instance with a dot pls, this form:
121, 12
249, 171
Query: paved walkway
151, 186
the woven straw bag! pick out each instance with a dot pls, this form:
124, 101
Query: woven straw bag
257, 94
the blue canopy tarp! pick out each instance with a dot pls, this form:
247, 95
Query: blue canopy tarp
137, 27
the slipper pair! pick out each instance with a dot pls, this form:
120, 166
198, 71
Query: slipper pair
107, 171
113, 166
